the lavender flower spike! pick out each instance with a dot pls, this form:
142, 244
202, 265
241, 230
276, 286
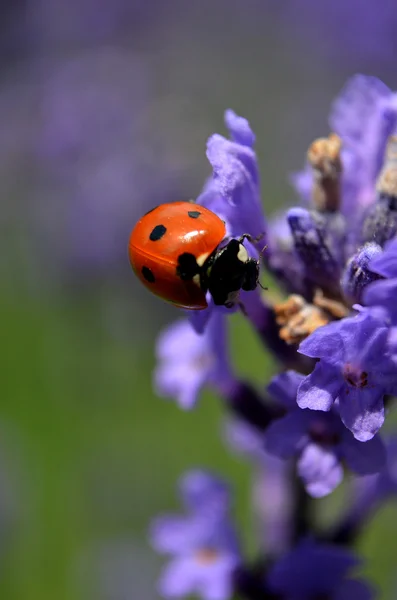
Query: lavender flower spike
354, 370
203, 544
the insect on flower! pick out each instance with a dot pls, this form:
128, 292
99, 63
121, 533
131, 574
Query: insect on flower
180, 252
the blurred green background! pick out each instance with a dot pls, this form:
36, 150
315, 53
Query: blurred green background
88, 453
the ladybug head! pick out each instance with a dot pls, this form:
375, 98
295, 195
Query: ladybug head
228, 270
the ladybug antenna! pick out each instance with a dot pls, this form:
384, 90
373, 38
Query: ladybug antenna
261, 253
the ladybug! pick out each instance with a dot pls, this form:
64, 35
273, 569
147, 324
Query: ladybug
179, 252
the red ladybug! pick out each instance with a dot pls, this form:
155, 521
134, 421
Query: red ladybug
176, 251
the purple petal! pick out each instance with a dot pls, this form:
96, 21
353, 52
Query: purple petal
239, 128
169, 341
385, 264
326, 342
284, 387
383, 293
178, 578
362, 411
175, 535
235, 168
187, 361
287, 436
199, 318
319, 389
354, 589
368, 337
218, 589
320, 470
178, 384
216, 580
201, 489
245, 439
364, 458
358, 116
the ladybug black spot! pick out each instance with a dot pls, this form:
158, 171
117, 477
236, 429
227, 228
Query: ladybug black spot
187, 266
157, 233
148, 275
194, 214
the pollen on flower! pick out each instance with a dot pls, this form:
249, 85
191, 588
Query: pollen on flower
206, 556
298, 319
325, 160
285, 310
335, 308
391, 150
355, 377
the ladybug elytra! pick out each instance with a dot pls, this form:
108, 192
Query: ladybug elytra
176, 251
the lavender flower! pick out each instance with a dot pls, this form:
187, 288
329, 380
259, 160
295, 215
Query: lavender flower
313, 570
233, 192
203, 544
354, 369
187, 361
319, 440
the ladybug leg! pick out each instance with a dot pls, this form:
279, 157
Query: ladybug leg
253, 240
